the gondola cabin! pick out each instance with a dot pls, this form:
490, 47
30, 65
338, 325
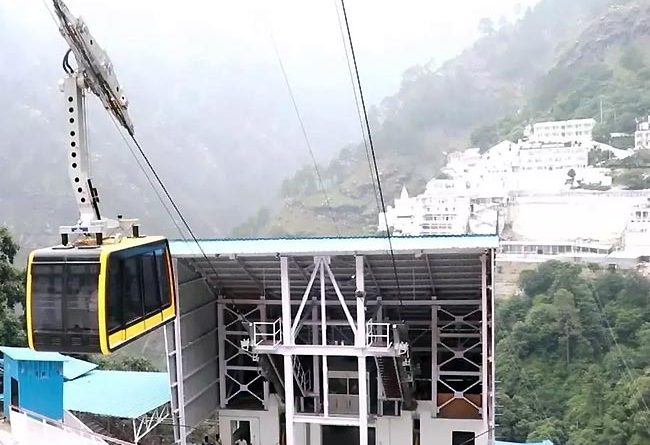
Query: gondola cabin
96, 299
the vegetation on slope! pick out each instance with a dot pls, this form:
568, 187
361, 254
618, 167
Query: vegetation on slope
573, 357
12, 291
434, 112
606, 68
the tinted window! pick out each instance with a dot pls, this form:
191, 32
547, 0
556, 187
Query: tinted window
64, 297
150, 283
131, 284
81, 297
114, 299
47, 296
163, 276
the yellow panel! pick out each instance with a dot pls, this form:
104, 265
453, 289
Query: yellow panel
101, 301
28, 302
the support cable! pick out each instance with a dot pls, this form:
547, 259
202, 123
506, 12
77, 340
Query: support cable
358, 107
372, 151
304, 132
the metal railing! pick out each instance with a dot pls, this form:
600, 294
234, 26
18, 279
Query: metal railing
28, 427
302, 376
378, 334
268, 333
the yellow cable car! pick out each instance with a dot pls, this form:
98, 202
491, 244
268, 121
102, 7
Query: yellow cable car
95, 299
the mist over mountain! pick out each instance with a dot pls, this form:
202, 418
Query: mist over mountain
438, 110
207, 99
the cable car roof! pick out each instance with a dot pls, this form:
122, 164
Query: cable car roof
447, 267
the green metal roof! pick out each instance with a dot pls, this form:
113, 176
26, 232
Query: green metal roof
333, 245
123, 394
72, 367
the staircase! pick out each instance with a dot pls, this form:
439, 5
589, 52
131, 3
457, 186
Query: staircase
395, 372
387, 369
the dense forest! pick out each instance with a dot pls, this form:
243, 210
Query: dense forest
573, 357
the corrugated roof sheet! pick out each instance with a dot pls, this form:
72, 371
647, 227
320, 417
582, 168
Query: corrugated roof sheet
333, 245
72, 367
27, 354
122, 394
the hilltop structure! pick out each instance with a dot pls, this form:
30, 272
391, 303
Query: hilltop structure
539, 193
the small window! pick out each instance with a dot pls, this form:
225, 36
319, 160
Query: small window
114, 300
338, 385
133, 308
164, 279
150, 283
463, 438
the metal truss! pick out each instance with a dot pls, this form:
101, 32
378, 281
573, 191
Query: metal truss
143, 425
239, 371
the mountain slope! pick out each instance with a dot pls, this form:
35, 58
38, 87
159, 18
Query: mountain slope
434, 112
572, 357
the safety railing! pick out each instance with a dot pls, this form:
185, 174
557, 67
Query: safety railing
378, 334
28, 427
267, 333
303, 377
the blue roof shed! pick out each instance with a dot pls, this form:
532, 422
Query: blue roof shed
33, 381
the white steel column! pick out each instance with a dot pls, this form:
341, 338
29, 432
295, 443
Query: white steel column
288, 358
323, 340
315, 361
360, 342
434, 358
221, 329
178, 346
485, 346
492, 369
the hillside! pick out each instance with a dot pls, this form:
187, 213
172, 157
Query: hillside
607, 65
573, 357
213, 118
436, 111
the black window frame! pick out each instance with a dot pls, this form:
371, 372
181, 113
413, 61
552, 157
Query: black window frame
165, 293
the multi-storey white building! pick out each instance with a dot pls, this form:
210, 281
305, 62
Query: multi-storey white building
552, 156
574, 130
642, 134
470, 201
444, 208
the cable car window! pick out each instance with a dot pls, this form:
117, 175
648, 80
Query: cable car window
150, 283
114, 298
132, 297
163, 277
81, 297
47, 297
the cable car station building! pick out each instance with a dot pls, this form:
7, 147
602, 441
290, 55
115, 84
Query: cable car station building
321, 341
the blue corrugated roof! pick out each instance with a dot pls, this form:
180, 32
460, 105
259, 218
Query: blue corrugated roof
72, 367
122, 394
27, 354
543, 442
334, 245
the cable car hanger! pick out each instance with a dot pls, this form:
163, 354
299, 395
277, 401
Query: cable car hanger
94, 73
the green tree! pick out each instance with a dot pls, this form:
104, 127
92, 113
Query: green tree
12, 291
126, 363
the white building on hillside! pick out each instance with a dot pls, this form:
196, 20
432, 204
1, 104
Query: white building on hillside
642, 134
574, 130
443, 208
553, 156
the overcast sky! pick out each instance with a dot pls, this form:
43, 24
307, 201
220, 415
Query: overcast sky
389, 35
